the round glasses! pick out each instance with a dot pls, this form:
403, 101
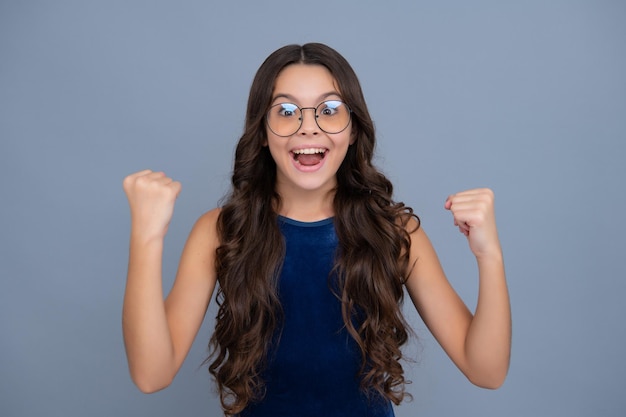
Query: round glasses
331, 116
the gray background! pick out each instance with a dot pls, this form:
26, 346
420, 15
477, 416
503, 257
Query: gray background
528, 98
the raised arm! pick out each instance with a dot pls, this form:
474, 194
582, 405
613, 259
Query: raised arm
480, 343
158, 333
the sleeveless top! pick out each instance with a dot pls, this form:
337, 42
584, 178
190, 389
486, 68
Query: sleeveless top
313, 369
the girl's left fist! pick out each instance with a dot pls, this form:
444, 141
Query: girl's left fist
473, 213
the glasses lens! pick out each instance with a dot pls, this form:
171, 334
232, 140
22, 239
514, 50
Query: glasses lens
333, 116
284, 119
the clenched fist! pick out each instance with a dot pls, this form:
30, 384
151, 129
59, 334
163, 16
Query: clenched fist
473, 213
151, 196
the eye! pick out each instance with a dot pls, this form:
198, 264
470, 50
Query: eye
287, 109
330, 108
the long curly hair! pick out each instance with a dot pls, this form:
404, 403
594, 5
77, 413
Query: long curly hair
372, 258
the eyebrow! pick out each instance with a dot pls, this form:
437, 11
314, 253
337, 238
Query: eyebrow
292, 98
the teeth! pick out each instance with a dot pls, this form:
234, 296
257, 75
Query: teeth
309, 151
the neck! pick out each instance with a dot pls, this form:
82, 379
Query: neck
306, 205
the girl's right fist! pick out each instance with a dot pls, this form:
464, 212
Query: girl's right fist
151, 196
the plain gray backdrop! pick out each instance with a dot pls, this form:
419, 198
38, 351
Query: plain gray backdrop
528, 98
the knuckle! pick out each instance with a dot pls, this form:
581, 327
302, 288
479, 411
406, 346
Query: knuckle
142, 181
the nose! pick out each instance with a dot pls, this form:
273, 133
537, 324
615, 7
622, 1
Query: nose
309, 122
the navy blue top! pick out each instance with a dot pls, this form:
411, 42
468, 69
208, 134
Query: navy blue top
313, 371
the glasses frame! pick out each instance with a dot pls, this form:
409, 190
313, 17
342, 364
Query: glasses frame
301, 118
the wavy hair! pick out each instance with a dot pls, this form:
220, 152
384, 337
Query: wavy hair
371, 263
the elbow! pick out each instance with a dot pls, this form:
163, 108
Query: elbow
150, 375
490, 381
148, 387
150, 384
492, 385
488, 372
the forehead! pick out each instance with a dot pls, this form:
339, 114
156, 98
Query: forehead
305, 82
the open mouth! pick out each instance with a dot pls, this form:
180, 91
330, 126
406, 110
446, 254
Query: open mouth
309, 156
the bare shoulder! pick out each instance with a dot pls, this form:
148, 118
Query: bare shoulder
420, 243
208, 221
424, 263
197, 262
204, 231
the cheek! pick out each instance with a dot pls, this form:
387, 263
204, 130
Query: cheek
274, 148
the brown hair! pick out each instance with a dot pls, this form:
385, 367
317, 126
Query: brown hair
371, 262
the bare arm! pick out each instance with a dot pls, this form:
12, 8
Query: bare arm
480, 343
158, 334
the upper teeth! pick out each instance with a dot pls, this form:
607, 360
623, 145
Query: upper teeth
309, 151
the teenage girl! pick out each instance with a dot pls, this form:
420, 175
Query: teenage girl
312, 257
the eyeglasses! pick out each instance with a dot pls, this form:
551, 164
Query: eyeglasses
331, 116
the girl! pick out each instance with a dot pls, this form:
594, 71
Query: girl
312, 256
